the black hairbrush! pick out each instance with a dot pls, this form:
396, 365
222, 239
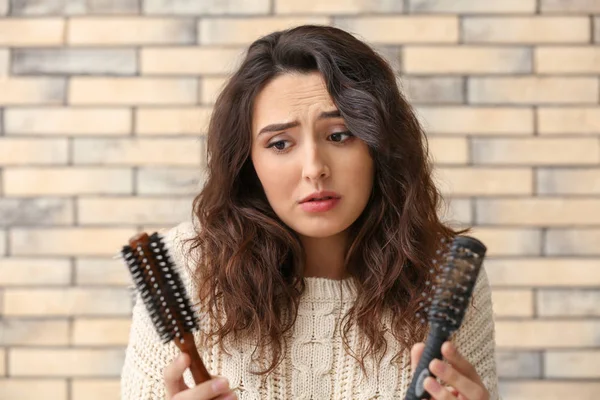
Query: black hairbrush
164, 295
460, 268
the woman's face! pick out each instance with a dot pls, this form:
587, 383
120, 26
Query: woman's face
299, 147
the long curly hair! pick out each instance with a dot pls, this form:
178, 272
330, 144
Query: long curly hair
249, 268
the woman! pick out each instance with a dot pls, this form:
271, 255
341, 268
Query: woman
312, 240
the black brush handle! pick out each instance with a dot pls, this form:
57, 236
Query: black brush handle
433, 349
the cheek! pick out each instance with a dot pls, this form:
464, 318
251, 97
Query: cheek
275, 177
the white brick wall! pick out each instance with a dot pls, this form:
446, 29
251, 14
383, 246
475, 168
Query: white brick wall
103, 110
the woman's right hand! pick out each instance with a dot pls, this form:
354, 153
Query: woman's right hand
216, 388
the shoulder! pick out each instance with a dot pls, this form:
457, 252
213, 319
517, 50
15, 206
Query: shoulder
177, 241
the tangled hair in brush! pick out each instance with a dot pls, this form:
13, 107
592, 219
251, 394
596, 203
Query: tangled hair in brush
248, 269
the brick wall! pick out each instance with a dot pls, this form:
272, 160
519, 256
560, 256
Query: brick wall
103, 107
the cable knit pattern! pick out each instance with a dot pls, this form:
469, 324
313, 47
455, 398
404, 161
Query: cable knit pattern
316, 365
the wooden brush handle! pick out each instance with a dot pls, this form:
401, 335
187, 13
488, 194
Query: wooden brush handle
197, 368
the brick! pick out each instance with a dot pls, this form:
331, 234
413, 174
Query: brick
142, 152
206, 7
339, 6
472, 6
36, 211
512, 303
548, 390
236, 31
169, 181
73, 7
122, 210
70, 121
28, 91
101, 271
75, 61
34, 271
533, 90
47, 389
427, 90
66, 362
3, 246
66, 302
35, 32
572, 364
510, 241
111, 31
568, 181
457, 211
133, 91
2, 365
172, 121
190, 60
17, 151
568, 303
530, 30
101, 332
4, 62
68, 241
575, 120
597, 29
402, 29
572, 241
567, 6
477, 120
543, 272
67, 181
18, 332
521, 364
4, 7
445, 150
210, 88
539, 151
538, 211
95, 389
392, 55
567, 60
464, 181
47, 7
546, 334
466, 60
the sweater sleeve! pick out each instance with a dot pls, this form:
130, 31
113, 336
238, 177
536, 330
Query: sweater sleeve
475, 339
146, 356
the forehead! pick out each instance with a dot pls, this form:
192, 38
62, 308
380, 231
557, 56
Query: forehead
291, 96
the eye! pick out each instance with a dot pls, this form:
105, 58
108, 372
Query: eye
337, 137
279, 146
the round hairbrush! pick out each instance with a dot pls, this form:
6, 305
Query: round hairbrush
163, 293
460, 266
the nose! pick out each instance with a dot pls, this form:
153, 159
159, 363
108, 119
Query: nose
315, 165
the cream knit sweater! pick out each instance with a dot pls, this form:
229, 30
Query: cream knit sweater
315, 366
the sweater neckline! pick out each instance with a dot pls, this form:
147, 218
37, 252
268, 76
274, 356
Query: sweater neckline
329, 289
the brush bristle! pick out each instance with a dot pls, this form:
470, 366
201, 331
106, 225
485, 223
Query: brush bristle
160, 288
454, 285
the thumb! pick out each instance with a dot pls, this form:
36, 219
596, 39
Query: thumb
415, 354
173, 375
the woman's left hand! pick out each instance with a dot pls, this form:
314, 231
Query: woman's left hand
465, 383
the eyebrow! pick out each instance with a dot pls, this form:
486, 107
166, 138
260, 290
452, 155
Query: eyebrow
287, 125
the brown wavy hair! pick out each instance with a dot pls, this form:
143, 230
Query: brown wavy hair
249, 268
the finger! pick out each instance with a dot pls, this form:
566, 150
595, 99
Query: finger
461, 383
173, 375
461, 364
227, 396
437, 391
207, 390
415, 354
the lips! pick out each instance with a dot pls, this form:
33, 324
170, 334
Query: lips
320, 196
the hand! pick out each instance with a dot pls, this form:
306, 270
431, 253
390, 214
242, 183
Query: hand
460, 374
215, 389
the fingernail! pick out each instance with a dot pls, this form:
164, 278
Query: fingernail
437, 367
220, 384
431, 385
